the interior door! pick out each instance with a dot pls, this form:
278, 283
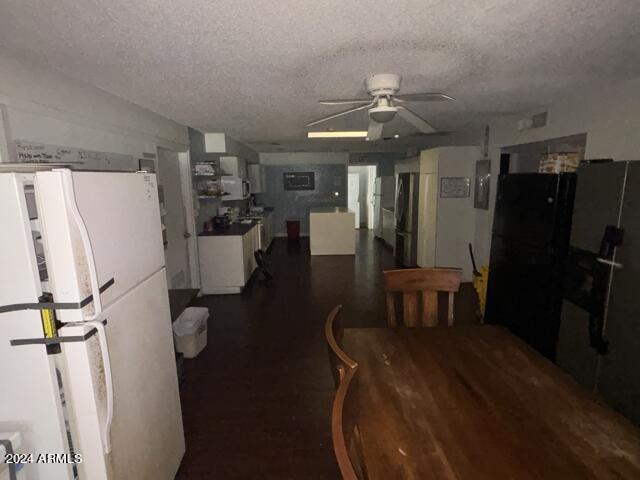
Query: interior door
353, 194
177, 249
143, 437
597, 204
371, 196
101, 231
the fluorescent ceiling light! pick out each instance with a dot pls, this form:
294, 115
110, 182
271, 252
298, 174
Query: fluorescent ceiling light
336, 134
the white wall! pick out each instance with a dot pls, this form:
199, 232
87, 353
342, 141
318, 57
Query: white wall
40, 104
608, 114
301, 158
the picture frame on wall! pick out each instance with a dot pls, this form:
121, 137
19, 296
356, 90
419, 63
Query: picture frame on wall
482, 184
299, 180
455, 187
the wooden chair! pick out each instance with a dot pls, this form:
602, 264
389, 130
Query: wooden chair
409, 283
347, 443
333, 332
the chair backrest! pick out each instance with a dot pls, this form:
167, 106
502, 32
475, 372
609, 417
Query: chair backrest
412, 282
347, 443
333, 332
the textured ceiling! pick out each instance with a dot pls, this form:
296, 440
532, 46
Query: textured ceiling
254, 69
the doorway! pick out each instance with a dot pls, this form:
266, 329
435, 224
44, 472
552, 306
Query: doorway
361, 194
174, 177
526, 157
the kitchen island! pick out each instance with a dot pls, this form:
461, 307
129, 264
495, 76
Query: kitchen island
332, 231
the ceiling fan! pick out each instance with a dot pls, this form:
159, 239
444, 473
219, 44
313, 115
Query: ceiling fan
382, 107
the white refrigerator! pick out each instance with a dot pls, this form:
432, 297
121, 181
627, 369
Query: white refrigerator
104, 386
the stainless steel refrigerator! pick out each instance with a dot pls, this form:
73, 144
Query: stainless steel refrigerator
377, 207
599, 338
406, 209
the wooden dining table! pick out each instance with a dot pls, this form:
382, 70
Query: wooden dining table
475, 402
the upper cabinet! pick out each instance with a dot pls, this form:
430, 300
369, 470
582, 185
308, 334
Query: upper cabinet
225, 145
234, 166
256, 177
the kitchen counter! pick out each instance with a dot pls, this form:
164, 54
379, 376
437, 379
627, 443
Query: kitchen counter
226, 257
232, 230
329, 210
332, 231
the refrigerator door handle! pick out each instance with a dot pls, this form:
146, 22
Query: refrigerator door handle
611, 263
69, 197
104, 349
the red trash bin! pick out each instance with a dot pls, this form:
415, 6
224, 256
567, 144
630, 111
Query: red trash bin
293, 228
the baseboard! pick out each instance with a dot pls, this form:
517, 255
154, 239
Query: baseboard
222, 291
284, 235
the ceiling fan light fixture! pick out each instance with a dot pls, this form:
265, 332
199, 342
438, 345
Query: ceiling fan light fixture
338, 134
382, 114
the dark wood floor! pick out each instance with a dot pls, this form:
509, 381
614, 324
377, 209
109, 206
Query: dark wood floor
256, 402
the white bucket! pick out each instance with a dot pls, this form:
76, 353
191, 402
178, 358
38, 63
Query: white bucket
190, 331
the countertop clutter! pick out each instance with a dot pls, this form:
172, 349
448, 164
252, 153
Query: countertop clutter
241, 225
236, 228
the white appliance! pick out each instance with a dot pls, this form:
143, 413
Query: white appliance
377, 207
105, 386
383, 197
353, 193
235, 188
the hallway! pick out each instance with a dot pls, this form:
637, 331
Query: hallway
257, 401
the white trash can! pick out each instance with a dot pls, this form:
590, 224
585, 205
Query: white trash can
190, 331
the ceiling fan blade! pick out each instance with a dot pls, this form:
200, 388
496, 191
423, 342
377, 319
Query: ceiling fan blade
339, 114
375, 130
344, 102
415, 120
423, 97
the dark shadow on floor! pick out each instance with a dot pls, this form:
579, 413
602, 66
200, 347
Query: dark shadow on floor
256, 402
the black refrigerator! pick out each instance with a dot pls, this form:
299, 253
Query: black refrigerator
599, 340
529, 246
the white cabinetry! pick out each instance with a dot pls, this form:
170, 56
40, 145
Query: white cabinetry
256, 177
234, 166
227, 261
250, 243
268, 231
446, 225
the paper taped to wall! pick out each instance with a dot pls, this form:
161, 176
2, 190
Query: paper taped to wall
32, 152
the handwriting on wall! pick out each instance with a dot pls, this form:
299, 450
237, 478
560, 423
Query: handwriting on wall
31, 152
